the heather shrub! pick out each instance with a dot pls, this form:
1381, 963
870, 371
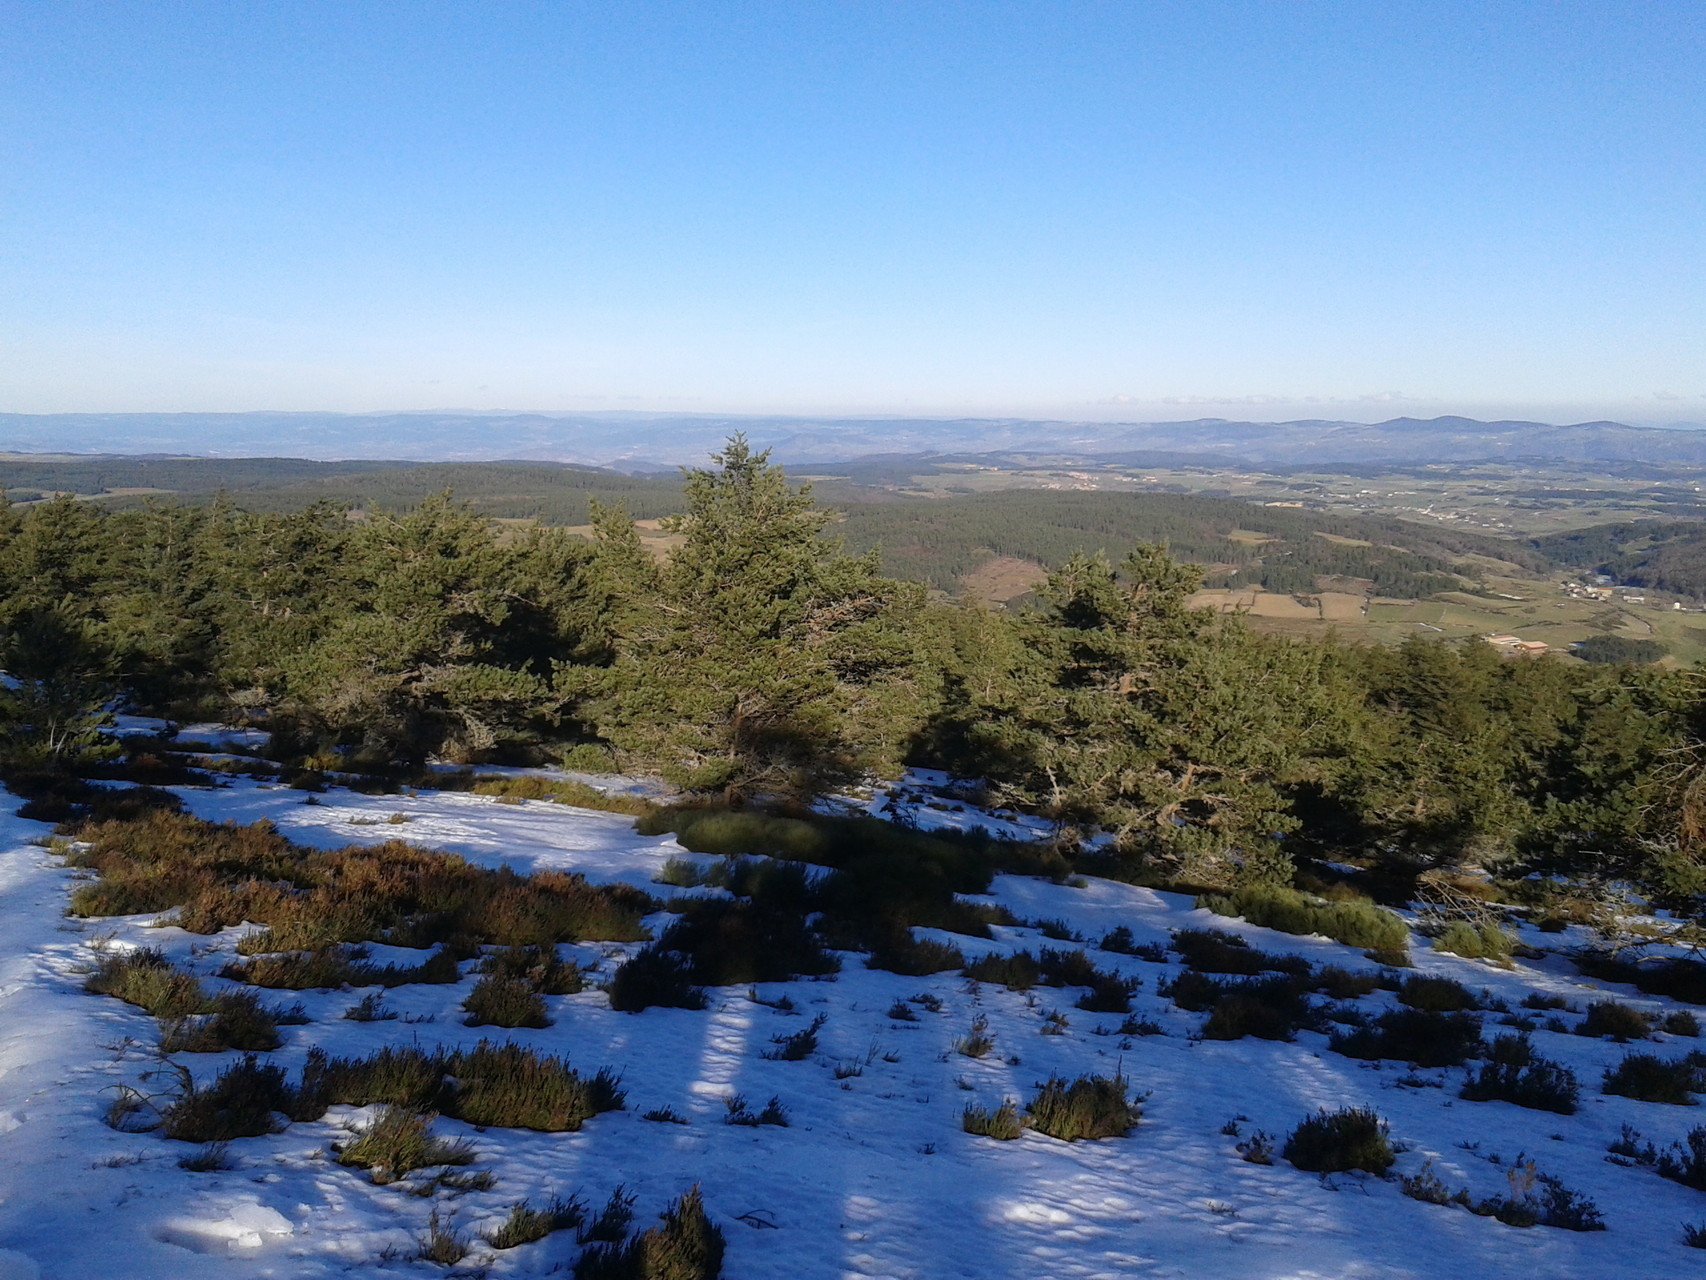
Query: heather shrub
1119, 940
1003, 1123
1436, 995
1355, 923
1515, 1075
798, 1046
1109, 993
977, 1042
914, 957
241, 1102
740, 1113
1342, 984
1683, 980
734, 942
1338, 1141
1476, 942
1089, 1107
442, 1243
1270, 1008
1649, 1078
1016, 972
1216, 951
338, 967
1067, 968
500, 1001
1415, 1036
398, 1141
685, 1245
539, 965
1685, 1161
1618, 1021
1680, 1022
654, 977
145, 978
231, 1020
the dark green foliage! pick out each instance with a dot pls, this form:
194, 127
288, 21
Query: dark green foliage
1415, 1036
727, 943
1683, 980
539, 966
1088, 1107
1269, 1008
1437, 995
739, 1113
915, 957
399, 1141
1338, 1141
499, 1001
1620, 1022
1003, 1123
900, 1011
1649, 1078
1475, 942
1619, 649
339, 967
1119, 940
1342, 984
526, 1224
685, 1245
654, 977
1680, 1022
1685, 1161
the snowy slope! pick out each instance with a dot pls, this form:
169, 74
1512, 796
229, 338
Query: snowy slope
873, 1177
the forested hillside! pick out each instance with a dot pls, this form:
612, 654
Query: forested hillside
1665, 555
1279, 548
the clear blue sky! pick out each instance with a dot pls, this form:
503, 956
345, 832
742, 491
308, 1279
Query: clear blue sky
1127, 210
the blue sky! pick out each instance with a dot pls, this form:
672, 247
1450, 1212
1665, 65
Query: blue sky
1266, 210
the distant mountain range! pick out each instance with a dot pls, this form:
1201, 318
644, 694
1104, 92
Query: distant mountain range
645, 441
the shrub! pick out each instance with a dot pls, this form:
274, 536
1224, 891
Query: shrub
147, 979
1355, 923
900, 1011
241, 1102
1016, 972
739, 1113
1476, 942
977, 1042
914, 958
685, 1245
526, 1224
1002, 1123
539, 965
1119, 940
1694, 1235
1215, 951
735, 942
1109, 993
683, 873
1538, 1084
500, 1001
1236, 1016
1539, 1002
1683, 980
339, 967
1342, 984
800, 1045
1649, 1078
612, 1221
233, 1020
1538, 1199
1620, 1022
1415, 1036
1436, 995
1680, 1022
654, 977
1058, 930
1338, 1141
399, 1141
1271, 1008
1089, 1107
370, 1008
1685, 1162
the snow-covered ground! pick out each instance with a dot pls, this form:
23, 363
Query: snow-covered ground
873, 1177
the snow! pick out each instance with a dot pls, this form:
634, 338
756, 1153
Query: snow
872, 1178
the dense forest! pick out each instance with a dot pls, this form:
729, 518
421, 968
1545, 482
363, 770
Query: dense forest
763, 664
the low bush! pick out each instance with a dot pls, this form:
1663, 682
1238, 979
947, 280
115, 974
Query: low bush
1342, 984
1216, 951
539, 965
557, 790
231, 1020
1089, 1107
1016, 972
1685, 1161
339, 967
1271, 1008
1649, 1078
1436, 995
1109, 993
654, 977
1683, 980
685, 1245
147, 979
735, 942
1415, 1036
242, 1101
1476, 942
977, 1042
1620, 1022
396, 1143
914, 957
1355, 923
1002, 1123
740, 1113
1339, 1141
1540, 1002
526, 1224
499, 1001
1119, 940
1680, 1022
798, 1046
1533, 1082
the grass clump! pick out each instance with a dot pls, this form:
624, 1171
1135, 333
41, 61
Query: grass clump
1356, 923
146, 979
740, 1113
977, 1042
442, 1243
243, 1101
500, 1001
685, 1245
1002, 1124
798, 1046
1647, 1077
1339, 1141
1414, 1035
526, 1224
397, 1142
1087, 1108
1615, 1020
